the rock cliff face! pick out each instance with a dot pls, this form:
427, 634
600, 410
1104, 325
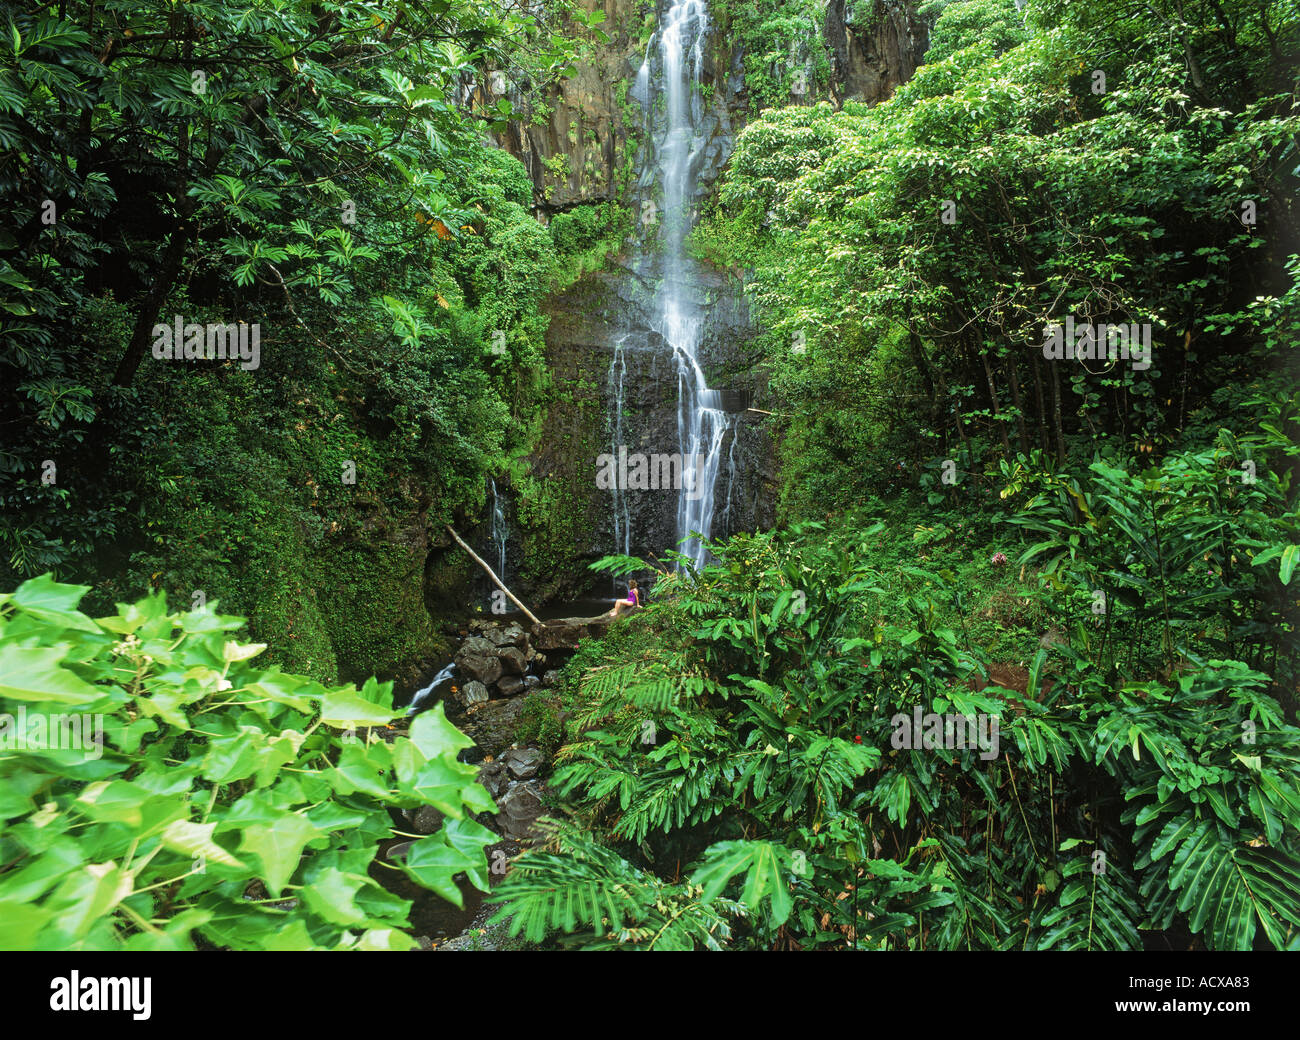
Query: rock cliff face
596, 144
875, 47
578, 153
612, 308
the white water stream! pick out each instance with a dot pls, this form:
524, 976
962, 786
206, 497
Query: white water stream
701, 424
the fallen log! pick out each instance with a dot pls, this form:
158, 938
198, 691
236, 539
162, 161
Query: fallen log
492, 574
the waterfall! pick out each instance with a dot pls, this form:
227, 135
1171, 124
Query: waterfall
731, 482
418, 701
701, 423
622, 513
500, 532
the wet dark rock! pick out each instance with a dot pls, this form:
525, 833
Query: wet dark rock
473, 692
427, 820
531, 682
520, 809
492, 775
523, 763
513, 661
509, 635
873, 55
491, 725
567, 633
477, 659
509, 685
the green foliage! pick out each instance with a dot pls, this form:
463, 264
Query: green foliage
966, 23
898, 338
214, 803
540, 723
606, 903
585, 237
784, 53
317, 176
744, 726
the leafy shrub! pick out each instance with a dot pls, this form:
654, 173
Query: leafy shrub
540, 723
751, 742
220, 804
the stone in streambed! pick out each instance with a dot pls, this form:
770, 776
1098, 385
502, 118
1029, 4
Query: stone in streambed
511, 635
523, 763
513, 661
473, 692
427, 820
566, 633
491, 725
477, 659
492, 775
509, 685
520, 809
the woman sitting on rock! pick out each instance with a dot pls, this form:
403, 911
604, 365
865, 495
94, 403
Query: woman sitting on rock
633, 599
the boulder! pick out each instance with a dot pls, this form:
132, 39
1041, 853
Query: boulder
491, 725
550, 678
523, 763
531, 682
426, 820
477, 659
506, 635
492, 775
566, 633
513, 661
520, 809
473, 692
509, 685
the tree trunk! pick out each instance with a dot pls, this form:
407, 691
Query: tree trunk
1056, 415
1014, 380
1043, 431
993, 401
145, 320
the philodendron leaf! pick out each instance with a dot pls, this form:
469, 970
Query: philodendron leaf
195, 839
34, 673
54, 602
435, 861
435, 736
344, 709
333, 894
278, 846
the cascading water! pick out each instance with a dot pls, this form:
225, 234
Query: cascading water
500, 532
622, 512
731, 485
701, 423
423, 698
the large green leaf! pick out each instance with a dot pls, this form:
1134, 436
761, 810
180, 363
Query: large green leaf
764, 865
278, 847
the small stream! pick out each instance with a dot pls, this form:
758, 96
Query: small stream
436, 922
